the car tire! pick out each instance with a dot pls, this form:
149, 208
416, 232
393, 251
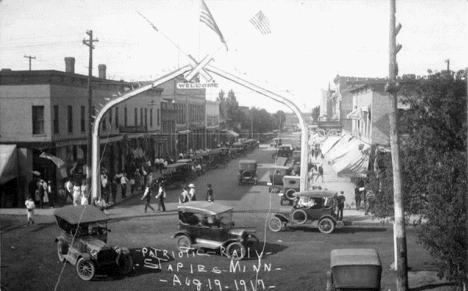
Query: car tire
184, 244
299, 216
326, 225
275, 224
125, 264
86, 269
236, 251
60, 245
289, 194
252, 244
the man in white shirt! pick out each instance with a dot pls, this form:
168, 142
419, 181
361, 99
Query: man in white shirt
192, 192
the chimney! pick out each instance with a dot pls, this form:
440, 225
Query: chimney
70, 65
102, 71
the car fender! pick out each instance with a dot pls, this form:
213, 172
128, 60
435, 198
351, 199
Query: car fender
282, 217
180, 233
328, 216
85, 256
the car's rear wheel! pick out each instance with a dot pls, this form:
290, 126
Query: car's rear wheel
125, 264
184, 244
236, 251
299, 216
326, 225
85, 269
60, 251
290, 194
275, 224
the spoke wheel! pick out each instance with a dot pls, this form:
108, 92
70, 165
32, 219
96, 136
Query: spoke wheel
236, 251
59, 251
125, 264
275, 224
183, 243
326, 225
85, 269
299, 216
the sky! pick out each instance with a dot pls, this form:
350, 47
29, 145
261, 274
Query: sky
310, 41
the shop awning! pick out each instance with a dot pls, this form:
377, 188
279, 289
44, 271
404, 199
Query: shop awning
355, 162
184, 131
356, 114
328, 143
338, 147
230, 133
8, 163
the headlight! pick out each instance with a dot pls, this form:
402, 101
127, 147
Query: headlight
94, 254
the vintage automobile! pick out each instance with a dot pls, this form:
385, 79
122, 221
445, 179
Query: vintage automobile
209, 225
276, 174
316, 207
276, 142
178, 174
285, 151
239, 148
247, 172
354, 269
291, 185
296, 156
83, 242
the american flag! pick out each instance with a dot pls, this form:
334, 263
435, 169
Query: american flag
261, 22
207, 18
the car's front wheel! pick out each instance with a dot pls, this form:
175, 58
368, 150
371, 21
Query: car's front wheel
125, 264
86, 269
326, 225
184, 244
60, 246
236, 251
275, 224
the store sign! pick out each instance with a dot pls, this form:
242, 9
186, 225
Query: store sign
196, 85
132, 129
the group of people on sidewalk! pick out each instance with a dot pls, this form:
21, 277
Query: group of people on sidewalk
189, 194
154, 185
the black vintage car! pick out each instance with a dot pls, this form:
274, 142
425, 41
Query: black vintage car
247, 172
83, 242
178, 174
276, 174
208, 225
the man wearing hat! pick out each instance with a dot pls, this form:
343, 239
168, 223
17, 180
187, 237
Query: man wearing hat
192, 192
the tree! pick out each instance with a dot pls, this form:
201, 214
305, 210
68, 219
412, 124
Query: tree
434, 169
315, 114
279, 119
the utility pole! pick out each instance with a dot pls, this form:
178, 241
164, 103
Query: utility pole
399, 225
251, 125
448, 65
466, 195
89, 43
30, 57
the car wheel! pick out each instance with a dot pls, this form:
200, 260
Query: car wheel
290, 194
85, 269
299, 216
326, 225
252, 244
275, 224
184, 244
236, 251
125, 264
59, 251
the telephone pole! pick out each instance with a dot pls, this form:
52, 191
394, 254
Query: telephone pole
30, 57
89, 43
399, 225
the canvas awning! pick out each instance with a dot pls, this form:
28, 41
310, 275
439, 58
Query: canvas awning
356, 114
328, 143
8, 163
355, 162
231, 133
184, 131
338, 148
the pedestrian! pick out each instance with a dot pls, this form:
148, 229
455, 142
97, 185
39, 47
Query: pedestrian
51, 193
76, 194
123, 183
68, 191
45, 199
357, 197
138, 183
84, 193
30, 209
341, 203
320, 173
84, 199
161, 196
40, 194
363, 197
61, 195
105, 187
192, 192
147, 196
370, 197
101, 204
132, 185
209, 193
184, 196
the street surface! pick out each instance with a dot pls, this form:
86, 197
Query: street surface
295, 259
